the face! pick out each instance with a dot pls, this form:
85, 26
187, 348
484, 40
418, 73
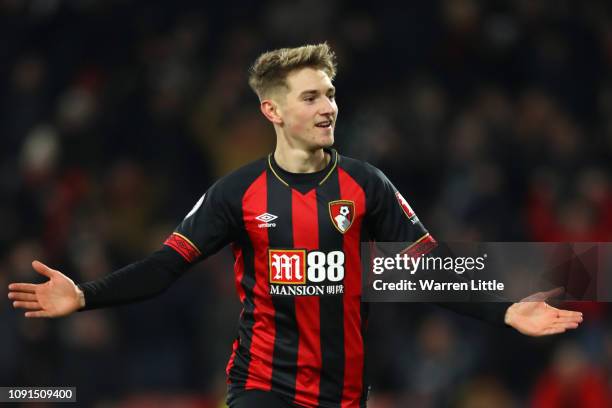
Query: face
308, 111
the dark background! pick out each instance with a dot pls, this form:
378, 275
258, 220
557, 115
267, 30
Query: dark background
494, 119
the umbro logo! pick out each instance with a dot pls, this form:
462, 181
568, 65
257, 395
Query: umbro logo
265, 218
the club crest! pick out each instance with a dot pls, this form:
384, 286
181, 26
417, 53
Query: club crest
342, 214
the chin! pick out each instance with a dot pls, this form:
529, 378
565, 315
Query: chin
327, 141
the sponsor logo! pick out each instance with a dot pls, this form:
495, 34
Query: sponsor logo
287, 266
406, 208
342, 214
296, 272
265, 218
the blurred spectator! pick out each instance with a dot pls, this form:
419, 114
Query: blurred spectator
485, 392
439, 361
571, 382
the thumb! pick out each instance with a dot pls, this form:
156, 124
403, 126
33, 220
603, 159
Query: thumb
553, 293
43, 269
543, 296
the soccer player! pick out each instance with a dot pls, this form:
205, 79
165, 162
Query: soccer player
295, 221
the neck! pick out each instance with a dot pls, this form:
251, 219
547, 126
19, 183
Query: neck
295, 160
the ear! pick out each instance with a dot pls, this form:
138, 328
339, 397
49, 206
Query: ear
271, 111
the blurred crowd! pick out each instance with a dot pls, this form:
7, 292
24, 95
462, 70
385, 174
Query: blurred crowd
494, 119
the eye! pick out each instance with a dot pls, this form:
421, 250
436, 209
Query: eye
309, 99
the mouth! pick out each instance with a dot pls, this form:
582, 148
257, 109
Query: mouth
327, 124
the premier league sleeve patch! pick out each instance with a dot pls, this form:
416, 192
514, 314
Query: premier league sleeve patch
342, 213
406, 208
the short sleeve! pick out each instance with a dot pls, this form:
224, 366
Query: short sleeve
391, 219
205, 229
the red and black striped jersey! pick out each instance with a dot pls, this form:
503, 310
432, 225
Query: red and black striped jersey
296, 240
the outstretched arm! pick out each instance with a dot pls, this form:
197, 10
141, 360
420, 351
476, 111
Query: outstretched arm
532, 316
60, 296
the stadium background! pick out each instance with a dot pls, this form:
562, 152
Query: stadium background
493, 118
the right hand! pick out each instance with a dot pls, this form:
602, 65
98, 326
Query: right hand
57, 297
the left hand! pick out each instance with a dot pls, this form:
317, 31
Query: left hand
532, 316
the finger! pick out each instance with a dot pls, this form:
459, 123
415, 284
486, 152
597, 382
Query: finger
23, 287
570, 316
556, 315
561, 326
553, 330
27, 305
40, 313
43, 269
28, 297
565, 325
568, 320
569, 313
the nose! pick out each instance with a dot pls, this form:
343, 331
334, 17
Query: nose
328, 107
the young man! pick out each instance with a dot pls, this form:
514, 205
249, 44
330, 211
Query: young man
295, 220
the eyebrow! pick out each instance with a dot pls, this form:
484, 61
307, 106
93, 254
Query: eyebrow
316, 92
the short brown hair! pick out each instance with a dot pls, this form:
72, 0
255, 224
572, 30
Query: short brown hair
270, 70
